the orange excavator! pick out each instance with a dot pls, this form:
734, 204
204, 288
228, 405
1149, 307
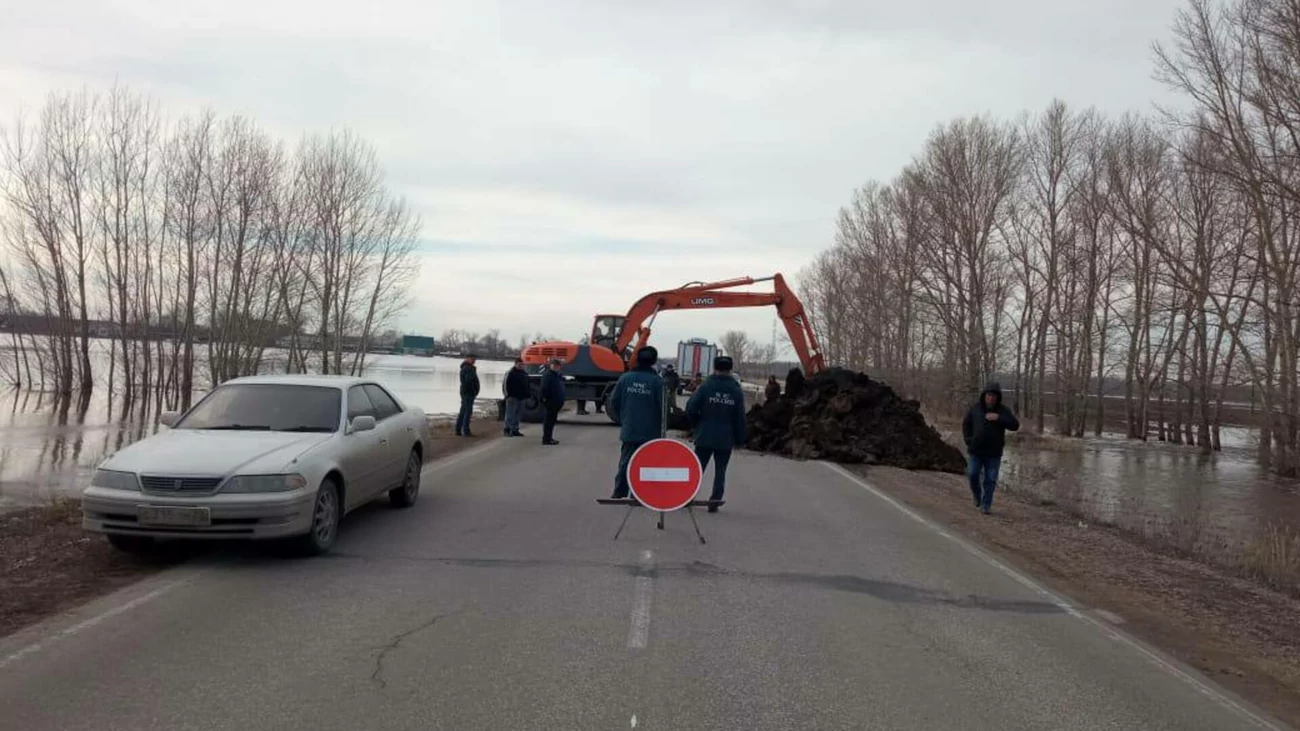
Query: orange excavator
590, 370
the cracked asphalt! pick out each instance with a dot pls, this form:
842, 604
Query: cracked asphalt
501, 601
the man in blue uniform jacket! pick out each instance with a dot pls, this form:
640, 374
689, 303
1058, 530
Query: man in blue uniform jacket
638, 404
717, 412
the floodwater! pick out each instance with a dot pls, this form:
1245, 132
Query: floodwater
45, 454
1159, 489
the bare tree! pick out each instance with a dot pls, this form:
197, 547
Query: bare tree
736, 344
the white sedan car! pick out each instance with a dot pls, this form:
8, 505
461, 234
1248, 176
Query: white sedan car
262, 457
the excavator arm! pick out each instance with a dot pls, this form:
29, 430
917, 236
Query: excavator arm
715, 295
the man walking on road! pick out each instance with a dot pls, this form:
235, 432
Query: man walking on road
469, 387
552, 400
717, 411
638, 404
985, 431
517, 391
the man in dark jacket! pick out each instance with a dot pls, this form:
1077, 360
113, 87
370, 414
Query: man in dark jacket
772, 391
985, 431
468, 392
552, 400
517, 391
672, 380
794, 381
717, 411
638, 404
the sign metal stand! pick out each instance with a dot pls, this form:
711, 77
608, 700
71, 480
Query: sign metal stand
633, 502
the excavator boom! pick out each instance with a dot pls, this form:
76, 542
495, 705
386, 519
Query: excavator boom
592, 368
717, 295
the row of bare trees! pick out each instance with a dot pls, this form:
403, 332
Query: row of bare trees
195, 246
489, 345
1067, 251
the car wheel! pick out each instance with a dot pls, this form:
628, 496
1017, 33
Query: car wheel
137, 545
326, 513
405, 495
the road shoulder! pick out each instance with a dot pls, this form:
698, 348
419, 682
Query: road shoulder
1239, 633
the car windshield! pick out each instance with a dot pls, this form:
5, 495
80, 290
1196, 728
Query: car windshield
267, 407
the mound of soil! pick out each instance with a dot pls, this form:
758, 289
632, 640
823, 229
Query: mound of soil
677, 419
844, 416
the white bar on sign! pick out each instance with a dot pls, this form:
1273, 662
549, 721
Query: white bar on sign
665, 474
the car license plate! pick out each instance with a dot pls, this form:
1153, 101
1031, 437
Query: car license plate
187, 517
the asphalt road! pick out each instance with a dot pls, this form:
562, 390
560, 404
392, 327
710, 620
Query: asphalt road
501, 601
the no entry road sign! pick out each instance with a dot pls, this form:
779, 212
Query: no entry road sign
664, 474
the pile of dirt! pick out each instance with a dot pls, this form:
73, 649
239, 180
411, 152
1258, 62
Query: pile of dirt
677, 419
844, 416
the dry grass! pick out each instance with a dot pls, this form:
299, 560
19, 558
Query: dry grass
1271, 557
1274, 557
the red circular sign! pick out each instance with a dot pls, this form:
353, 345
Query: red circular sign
664, 474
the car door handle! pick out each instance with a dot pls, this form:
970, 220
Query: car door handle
383, 441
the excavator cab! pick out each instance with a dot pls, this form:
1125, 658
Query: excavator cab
606, 329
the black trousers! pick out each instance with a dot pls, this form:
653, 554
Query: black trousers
548, 423
721, 458
621, 486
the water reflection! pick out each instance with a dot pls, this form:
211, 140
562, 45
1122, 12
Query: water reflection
1163, 488
48, 449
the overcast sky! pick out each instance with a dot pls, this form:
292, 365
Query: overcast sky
567, 157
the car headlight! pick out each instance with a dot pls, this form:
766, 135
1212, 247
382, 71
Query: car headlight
265, 483
115, 480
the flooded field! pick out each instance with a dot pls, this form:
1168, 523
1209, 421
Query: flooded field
1162, 490
44, 454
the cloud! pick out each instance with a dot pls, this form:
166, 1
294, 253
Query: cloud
568, 156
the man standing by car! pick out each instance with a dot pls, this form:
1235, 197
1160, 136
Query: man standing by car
717, 412
469, 387
517, 391
552, 400
985, 431
638, 404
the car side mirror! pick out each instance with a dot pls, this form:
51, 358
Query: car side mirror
363, 423
169, 418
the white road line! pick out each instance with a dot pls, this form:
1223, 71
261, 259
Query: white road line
85, 624
1201, 686
639, 635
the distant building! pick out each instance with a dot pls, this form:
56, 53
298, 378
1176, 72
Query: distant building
418, 345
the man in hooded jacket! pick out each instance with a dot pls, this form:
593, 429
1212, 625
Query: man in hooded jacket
985, 431
638, 404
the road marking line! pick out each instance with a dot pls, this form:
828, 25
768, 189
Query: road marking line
85, 624
1109, 616
1204, 688
639, 634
